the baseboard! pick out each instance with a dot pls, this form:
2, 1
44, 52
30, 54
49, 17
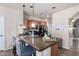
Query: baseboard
65, 48
8, 49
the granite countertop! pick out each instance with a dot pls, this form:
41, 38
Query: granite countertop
37, 42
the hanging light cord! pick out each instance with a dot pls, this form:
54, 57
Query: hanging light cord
33, 10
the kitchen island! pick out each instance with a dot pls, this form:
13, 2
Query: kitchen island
43, 47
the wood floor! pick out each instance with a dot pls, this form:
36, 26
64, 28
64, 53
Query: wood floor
6, 53
74, 51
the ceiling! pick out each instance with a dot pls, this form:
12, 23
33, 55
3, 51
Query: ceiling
41, 10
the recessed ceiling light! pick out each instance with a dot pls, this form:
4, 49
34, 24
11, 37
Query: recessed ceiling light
31, 6
24, 5
53, 7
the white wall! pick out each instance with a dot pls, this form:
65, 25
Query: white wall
13, 18
10, 26
62, 17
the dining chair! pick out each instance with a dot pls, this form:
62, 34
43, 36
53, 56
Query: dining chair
23, 50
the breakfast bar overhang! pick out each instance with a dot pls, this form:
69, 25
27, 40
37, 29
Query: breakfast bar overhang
43, 47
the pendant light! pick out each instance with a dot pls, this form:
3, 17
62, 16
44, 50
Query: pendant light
33, 24
24, 27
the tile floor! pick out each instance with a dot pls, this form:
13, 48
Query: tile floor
74, 51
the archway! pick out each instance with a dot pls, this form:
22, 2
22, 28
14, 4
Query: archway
74, 30
73, 26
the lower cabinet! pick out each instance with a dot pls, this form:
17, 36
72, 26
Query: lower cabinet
55, 49
45, 52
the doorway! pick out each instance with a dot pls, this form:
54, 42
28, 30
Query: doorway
76, 35
74, 32
2, 43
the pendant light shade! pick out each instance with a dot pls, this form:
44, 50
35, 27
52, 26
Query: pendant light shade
24, 27
33, 25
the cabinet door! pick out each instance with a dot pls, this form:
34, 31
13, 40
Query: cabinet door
54, 50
